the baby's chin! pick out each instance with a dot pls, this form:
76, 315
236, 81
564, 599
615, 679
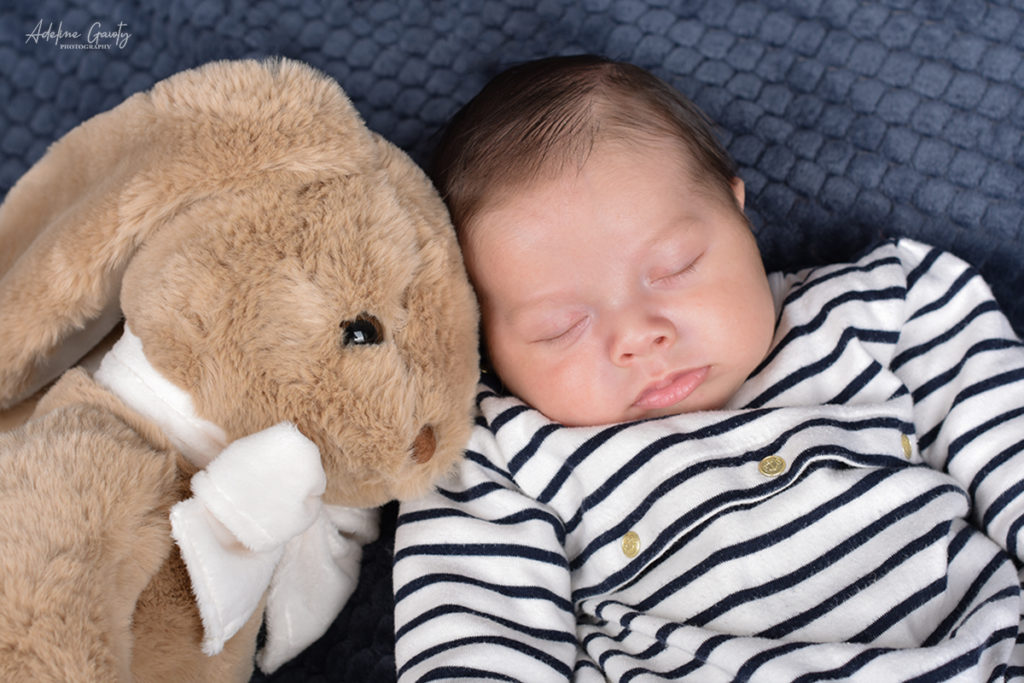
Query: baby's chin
580, 416
599, 419
684, 409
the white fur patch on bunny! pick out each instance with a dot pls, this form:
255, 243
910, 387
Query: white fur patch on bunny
255, 521
125, 371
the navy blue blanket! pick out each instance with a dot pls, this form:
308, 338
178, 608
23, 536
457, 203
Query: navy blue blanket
850, 120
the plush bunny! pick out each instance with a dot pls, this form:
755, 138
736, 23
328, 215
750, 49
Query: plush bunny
299, 346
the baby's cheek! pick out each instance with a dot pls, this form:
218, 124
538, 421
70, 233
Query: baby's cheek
762, 324
595, 393
550, 389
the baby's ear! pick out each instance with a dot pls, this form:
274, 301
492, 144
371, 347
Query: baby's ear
739, 190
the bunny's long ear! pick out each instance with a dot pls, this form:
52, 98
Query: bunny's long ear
69, 227
63, 248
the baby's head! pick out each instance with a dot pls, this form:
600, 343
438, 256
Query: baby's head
603, 229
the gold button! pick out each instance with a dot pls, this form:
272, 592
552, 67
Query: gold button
908, 449
631, 544
771, 466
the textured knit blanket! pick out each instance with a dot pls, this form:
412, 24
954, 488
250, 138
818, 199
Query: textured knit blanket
850, 120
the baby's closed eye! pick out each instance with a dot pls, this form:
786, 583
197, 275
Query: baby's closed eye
561, 334
673, 275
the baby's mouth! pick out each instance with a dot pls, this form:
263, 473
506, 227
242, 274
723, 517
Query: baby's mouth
671, 389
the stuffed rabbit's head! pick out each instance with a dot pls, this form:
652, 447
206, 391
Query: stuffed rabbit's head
278, 261
338, 304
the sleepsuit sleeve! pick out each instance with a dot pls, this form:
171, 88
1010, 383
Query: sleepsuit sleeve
481, 582
964, 366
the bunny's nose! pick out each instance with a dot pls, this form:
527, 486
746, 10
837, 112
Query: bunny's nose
424, 445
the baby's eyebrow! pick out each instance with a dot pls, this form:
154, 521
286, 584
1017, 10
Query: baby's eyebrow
678, 228
536, 307
525, 311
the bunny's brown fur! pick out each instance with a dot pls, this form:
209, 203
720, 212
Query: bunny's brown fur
239, 215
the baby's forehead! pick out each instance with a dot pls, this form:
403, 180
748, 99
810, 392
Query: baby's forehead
558, 168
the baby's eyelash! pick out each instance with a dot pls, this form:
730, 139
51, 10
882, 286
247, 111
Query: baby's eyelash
680, 273
564, 335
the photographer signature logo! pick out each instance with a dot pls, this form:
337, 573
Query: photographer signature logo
97, 37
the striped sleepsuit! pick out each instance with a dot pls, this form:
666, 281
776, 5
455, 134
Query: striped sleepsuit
854, 513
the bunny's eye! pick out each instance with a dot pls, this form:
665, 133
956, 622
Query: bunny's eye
365, 329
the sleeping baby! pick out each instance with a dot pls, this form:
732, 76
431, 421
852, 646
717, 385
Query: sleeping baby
685, 468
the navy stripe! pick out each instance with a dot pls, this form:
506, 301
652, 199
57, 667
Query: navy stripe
898, 557
806, 286
989, 384
913, 352
518, 517
577, 457
954, 289
453, 673
676, 674
886, 294
760, 659
515, 518
509, 550
960, 541
858, 383
1012, 535
472, 493
702, 654
814, 369
758, 543
958, 444
943, 379
736, 496
901, 611
517, 462
1011, 593
585, 664
922, 268
964, 661
823, 561
530, 592
845, 671
507, 416
649, 452
727, 504
602, 661
500, 641
1006, 672
484, 462
551, 635
1008, 496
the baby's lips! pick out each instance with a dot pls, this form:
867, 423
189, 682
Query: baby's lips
671, 390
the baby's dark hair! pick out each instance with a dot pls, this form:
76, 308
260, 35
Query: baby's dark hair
540, 116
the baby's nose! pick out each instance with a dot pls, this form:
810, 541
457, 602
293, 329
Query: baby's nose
642, 339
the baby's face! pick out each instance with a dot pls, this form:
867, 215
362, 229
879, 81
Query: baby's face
620, 291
